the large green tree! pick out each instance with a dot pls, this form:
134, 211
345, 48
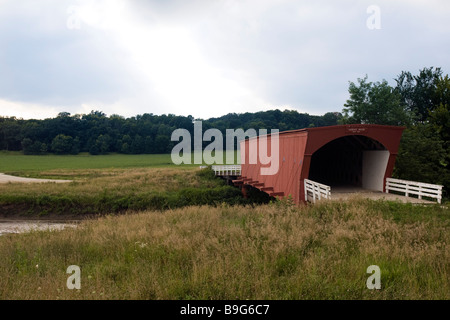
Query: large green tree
439, 116
418, 92
374, 103
30, 147
62, 144
423, 156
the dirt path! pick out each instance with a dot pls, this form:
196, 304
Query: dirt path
13, 226
4, 178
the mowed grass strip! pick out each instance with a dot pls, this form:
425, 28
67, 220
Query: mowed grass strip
54, 166
39, 166
275, 251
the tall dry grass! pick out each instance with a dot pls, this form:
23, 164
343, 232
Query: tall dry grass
274, 251
100, 191
92, 181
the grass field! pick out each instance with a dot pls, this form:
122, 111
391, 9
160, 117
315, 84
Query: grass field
108, 184
16, 163
37, 166
184, 234
234, 252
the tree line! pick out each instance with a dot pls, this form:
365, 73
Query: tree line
97, 133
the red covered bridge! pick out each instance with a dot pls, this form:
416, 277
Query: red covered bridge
338, 157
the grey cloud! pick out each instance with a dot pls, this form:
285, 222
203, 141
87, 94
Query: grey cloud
296, 53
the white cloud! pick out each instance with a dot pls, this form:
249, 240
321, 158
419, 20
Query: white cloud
167, 59
26, 110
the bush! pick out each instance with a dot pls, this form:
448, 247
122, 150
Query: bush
30, 147
423, 157
62, 144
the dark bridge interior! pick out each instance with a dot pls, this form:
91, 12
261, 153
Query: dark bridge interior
340, 162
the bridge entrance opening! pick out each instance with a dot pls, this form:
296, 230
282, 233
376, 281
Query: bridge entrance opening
350, 162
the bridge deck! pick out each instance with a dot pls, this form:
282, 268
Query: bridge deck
347, 192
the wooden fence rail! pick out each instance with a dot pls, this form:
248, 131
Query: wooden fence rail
417, 188
316, 190
227, 170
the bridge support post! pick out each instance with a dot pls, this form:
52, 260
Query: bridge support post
244, 191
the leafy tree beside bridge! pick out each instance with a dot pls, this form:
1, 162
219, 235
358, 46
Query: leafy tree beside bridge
419, 102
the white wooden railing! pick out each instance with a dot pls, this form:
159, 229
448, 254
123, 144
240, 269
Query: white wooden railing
417, 188
227, 170
316, 190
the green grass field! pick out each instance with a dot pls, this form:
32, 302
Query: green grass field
15, 162
166, 232
109, 184
33, 166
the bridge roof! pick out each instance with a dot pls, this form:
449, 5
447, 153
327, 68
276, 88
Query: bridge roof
389, 136
350, 129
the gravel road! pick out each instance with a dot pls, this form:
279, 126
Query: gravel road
4, 178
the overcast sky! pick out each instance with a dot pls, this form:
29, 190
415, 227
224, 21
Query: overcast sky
207, 58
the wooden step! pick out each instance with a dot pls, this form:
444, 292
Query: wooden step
275, 194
